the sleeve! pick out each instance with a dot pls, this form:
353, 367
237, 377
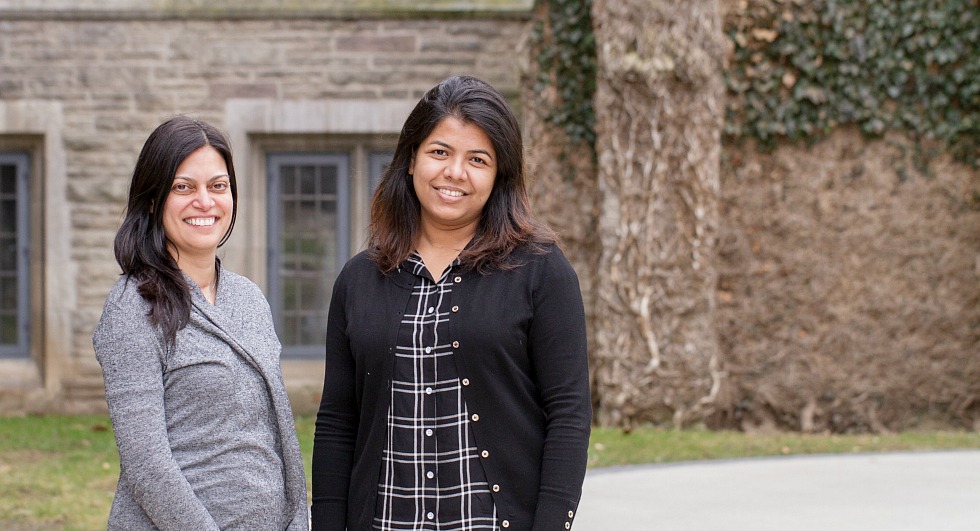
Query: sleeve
301, 521
130, 353
336, 422
560, 358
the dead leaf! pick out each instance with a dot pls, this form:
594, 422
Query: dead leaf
789, 80
765, 35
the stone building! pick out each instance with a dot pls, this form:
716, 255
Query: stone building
312, 94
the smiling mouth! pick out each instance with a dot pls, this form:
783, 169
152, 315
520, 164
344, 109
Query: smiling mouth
450, 193
200, 222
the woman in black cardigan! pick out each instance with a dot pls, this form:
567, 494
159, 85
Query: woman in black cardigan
456, 393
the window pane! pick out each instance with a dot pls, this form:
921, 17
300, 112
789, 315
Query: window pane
8, 294
307, 180
8, 184
8, 329
8, 254
328, 180
288, 177
290, 294
8, 217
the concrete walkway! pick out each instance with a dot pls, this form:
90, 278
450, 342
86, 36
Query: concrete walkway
915, 491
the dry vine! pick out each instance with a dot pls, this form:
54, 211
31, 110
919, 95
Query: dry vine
659, 109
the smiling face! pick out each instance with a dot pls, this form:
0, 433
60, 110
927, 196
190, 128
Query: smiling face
453, 173
198, 210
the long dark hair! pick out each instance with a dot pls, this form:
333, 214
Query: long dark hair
141, 246
506, 222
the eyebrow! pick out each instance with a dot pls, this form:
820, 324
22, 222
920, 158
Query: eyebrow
480, 151
210, 179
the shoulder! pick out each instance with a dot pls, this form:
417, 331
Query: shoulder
536, 268
242, 293
546, 271
361, 261
359, 267
125, 295
546, 259
238, 284
125, 316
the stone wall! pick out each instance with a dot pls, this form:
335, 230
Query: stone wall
108, 73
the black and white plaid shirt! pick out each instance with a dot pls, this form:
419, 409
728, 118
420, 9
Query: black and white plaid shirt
431, 476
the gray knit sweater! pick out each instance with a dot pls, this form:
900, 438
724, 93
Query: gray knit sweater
205, 432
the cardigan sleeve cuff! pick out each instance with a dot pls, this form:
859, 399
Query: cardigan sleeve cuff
554, 513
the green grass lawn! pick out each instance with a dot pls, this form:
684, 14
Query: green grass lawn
59, 472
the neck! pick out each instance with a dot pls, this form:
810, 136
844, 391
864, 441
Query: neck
445, 239
201, 270
438, 247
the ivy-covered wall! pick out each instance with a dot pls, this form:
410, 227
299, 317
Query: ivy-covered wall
802, 67
566, 57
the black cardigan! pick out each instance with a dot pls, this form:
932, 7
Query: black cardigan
520, 347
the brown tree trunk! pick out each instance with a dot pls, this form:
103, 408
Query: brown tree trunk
659, 108
562, 175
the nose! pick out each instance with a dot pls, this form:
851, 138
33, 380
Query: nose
455, 168
203, 199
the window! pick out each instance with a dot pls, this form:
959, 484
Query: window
309, 229
309, 241
14, 256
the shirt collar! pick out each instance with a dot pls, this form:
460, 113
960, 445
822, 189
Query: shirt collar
416, 266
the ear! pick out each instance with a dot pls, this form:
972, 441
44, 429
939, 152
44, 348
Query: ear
411, 166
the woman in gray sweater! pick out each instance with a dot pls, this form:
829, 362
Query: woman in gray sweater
190, 357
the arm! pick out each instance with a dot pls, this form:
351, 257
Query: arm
336, 423
561, 367
130, 353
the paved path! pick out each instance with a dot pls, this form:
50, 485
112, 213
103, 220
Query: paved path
914, 491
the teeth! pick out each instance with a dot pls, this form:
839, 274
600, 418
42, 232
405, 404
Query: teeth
200, 222
451, 193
